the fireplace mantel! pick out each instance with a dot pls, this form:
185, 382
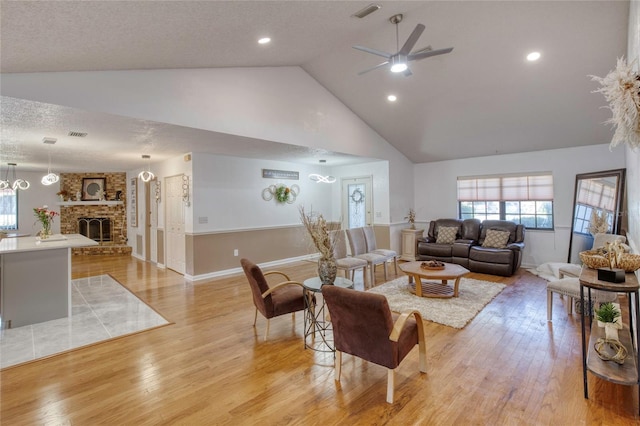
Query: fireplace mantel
88, 203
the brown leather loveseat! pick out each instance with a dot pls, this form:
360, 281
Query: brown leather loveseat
491, 247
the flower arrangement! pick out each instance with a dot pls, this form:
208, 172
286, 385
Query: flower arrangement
282, 193
411, 218
621, 88
45, 217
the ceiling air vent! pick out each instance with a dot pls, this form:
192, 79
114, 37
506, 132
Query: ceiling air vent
367, 10
78, 134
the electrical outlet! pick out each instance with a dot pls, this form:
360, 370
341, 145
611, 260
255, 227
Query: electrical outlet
235, 252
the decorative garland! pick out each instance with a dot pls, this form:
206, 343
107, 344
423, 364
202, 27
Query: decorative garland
357, 196
282, 193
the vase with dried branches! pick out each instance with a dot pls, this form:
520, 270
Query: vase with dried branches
319, 232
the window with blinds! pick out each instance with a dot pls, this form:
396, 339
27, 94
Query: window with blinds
525, 199
8, 210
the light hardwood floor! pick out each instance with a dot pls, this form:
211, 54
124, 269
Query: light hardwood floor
509, 366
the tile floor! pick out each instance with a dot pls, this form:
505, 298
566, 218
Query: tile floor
102, 309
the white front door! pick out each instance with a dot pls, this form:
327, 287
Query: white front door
175, 247
357, 202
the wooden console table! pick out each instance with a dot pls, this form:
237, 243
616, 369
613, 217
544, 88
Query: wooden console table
627, 373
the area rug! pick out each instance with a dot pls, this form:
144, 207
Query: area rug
455, 312
102, 309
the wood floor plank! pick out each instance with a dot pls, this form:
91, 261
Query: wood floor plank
211, 366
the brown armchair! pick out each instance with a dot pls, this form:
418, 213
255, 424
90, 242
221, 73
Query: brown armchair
364, 326
283, 298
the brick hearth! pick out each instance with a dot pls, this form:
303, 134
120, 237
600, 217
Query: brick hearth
72, 183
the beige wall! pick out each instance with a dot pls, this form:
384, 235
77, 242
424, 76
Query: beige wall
210, 253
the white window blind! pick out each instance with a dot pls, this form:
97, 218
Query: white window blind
597, 194
536, 187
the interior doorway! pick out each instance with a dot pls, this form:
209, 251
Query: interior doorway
174, 214
357, 202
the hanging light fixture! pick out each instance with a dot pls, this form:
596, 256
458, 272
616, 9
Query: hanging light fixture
17, 183
146, 175
49, 178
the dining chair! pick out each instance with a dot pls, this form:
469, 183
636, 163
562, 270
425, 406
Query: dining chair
363, 326
370, 239
348, 264
283, 298
358, 246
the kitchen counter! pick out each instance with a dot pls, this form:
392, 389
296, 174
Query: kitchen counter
35, 278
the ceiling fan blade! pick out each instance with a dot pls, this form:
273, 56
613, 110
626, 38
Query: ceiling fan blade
407, 73
373, 51
429, 53
424, 49
373, 68
412, 40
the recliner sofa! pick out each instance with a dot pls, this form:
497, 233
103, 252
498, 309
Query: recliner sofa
490, 247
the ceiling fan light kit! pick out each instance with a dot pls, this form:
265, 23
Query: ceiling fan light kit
399, 60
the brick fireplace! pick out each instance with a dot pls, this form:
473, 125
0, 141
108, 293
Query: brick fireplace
105, 223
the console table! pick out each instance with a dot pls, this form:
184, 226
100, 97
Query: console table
409, 241
627, 373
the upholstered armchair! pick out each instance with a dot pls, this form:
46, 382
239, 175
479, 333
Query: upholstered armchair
449, 240
499, 249
364, 326
283, 298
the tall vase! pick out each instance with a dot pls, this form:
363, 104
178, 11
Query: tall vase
46, 231
327, 270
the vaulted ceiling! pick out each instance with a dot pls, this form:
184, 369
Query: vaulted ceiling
483, 98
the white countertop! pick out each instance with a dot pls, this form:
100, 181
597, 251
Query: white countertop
57, 241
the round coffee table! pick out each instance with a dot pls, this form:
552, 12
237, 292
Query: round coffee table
451, 271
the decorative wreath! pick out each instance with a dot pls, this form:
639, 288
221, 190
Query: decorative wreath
357, 196
282, 193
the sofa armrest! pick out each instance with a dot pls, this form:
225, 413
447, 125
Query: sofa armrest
516, 246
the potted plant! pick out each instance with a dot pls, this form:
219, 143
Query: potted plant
610, 318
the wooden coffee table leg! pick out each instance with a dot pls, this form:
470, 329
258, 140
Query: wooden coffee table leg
455, 287
418, 286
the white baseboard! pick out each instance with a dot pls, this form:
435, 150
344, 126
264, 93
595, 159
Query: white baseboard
238, 270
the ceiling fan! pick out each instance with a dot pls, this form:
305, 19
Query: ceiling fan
399, 61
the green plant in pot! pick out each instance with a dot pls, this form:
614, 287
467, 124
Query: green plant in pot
609, 317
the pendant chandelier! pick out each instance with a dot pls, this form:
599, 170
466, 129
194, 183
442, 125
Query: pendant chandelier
17, 183
49, 178
146, 175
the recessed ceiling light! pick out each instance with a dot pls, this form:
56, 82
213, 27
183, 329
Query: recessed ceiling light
264, 40
392, 98
533, 56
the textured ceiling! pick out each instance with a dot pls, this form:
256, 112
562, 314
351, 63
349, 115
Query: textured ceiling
483, 98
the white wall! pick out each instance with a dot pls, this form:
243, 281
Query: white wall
436, 191
633, 158
37, 195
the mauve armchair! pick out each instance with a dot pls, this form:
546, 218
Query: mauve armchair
364, 326
283, 298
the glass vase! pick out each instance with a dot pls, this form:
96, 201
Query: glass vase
327, 270
46, 231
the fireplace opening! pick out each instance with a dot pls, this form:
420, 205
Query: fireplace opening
95, 228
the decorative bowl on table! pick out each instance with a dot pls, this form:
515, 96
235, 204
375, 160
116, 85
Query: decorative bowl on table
433, 265
595, 259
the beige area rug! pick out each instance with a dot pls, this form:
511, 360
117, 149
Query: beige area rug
455, 312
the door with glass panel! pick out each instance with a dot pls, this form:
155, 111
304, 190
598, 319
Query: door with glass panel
357, 202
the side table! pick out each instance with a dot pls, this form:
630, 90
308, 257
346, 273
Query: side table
627, 373
314, 319
409, 242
